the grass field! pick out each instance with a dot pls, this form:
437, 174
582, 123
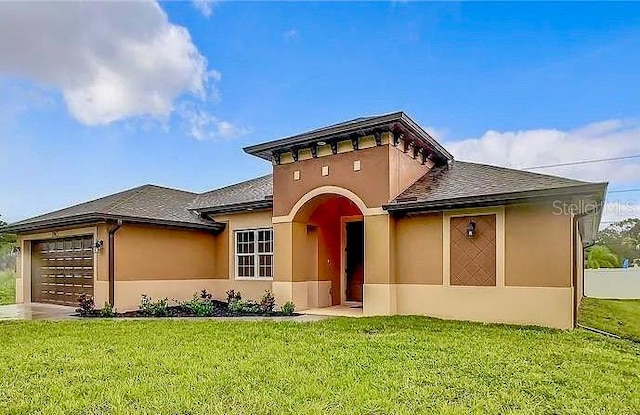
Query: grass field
7, 287
392, 365
621, 317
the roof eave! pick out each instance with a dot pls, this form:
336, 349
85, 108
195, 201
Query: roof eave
91, 218
425, 135
589, 236
501, 198
263, 150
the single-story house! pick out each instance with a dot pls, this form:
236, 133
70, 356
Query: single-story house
371, 212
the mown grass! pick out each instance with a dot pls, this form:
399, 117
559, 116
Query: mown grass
7, 287
621, 317
392, 365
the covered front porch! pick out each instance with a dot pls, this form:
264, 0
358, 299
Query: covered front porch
333, 255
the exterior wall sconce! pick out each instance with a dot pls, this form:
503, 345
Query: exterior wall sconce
15, 251
98, 246
471, 229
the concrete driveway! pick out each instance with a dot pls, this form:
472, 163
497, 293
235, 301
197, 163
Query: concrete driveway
35, 311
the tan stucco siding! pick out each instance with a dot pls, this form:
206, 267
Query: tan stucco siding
129, 293
153, 253
541, 306
223, 254
419, 249
379, 255
538, 247
370, 183
404, 170
102, 258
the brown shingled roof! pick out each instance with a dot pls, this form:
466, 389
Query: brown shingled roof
465, 182
257, 193
147, 203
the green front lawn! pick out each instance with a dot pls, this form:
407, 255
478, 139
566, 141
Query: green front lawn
621, 317
394, 365
7, 287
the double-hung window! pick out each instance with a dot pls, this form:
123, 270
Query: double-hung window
254, 253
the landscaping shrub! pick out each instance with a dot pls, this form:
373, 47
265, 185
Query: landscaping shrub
204, 295
267, 302
201, 307
233, 295
288, 308
86, 305
107, 310
244, 307
159, 308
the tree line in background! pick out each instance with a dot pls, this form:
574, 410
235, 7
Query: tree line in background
617, 243
7, 243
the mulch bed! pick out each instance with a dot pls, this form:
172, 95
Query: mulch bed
220, 309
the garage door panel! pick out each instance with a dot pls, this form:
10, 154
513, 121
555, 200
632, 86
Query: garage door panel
62, 270
67, 272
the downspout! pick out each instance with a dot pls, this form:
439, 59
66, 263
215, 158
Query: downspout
112, 278
575, 240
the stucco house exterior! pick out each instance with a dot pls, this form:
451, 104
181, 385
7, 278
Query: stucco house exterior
372, 212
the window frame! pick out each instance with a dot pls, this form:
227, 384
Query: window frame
256, 254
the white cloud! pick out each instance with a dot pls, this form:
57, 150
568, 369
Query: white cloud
291, 34
111, 60
202, 125
204, 6
521, 149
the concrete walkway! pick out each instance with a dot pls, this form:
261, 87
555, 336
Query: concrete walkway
35, 311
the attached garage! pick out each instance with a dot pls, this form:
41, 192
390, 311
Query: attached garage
62, 269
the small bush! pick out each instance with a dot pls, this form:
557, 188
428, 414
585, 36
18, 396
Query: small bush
251, 307
86, 305
288, 308
107, 310
244, 307
201, 307
233, 295
236, 306
204, 295
159, 308
267, 302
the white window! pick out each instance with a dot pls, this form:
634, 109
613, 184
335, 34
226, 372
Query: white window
254, 253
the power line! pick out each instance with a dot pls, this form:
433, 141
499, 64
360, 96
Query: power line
623, 191
575, 163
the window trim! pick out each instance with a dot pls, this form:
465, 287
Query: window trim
256, 255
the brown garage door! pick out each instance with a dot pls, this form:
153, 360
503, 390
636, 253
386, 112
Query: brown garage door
61, 270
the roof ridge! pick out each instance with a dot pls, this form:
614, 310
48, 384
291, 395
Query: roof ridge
119, 202
170, 188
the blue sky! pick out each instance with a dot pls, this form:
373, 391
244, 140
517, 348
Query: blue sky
516, 84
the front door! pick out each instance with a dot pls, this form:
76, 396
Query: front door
354, 260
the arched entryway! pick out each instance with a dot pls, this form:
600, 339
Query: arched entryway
317, 264
334, 240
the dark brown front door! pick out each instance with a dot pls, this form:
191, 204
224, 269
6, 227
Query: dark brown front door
354, 253
61, 270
